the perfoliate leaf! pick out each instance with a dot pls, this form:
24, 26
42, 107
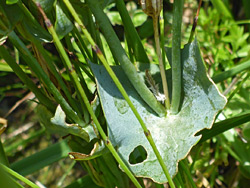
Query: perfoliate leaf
174, 134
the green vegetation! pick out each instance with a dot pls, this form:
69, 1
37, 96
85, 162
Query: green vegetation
114, 93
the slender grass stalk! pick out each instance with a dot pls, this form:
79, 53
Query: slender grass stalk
176, 56
245, 78
231, 72
223, 126
162, 37
136, 44
58, 77
153, 9
161, 65
18, 176
121, 56
82, 46
177, 182
3, 157
25, 79
195, 23
179, 178
67, 173
32, 62
184, 166
84, 97
123, 92
222, 9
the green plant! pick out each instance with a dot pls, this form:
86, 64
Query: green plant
123, 123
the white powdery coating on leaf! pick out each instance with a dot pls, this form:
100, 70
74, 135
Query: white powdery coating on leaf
174, 134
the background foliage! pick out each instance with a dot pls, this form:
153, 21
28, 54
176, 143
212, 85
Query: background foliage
220, 159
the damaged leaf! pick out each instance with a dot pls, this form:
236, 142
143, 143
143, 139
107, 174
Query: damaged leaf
58, 125
174, 135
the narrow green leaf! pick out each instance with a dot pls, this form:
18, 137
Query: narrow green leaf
120, 54
6, 180
232, 72
47, 5
10, 2
25, 79
41, 159
16, 175
3, 157
137, 46
63, 25
222, 9
32, 62
84, 182
31, 29
8, 19
223, 126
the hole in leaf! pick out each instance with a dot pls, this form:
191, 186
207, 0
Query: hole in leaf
138, 155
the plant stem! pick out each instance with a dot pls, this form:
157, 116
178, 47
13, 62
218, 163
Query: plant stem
119, 54
162, 37
195, 23
176, 56
3, 157
161, 65
55, 73
34, 65
123, 92
136, 44
18, 176
84, 96
184, 166
25, 79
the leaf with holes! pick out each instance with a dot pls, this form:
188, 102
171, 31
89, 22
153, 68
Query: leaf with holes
174, 134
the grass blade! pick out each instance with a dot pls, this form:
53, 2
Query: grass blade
18, 176
233, 71
223, 126
176, 56
41, 159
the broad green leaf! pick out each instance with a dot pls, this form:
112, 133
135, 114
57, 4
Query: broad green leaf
63, 25
57, 124
174, 135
